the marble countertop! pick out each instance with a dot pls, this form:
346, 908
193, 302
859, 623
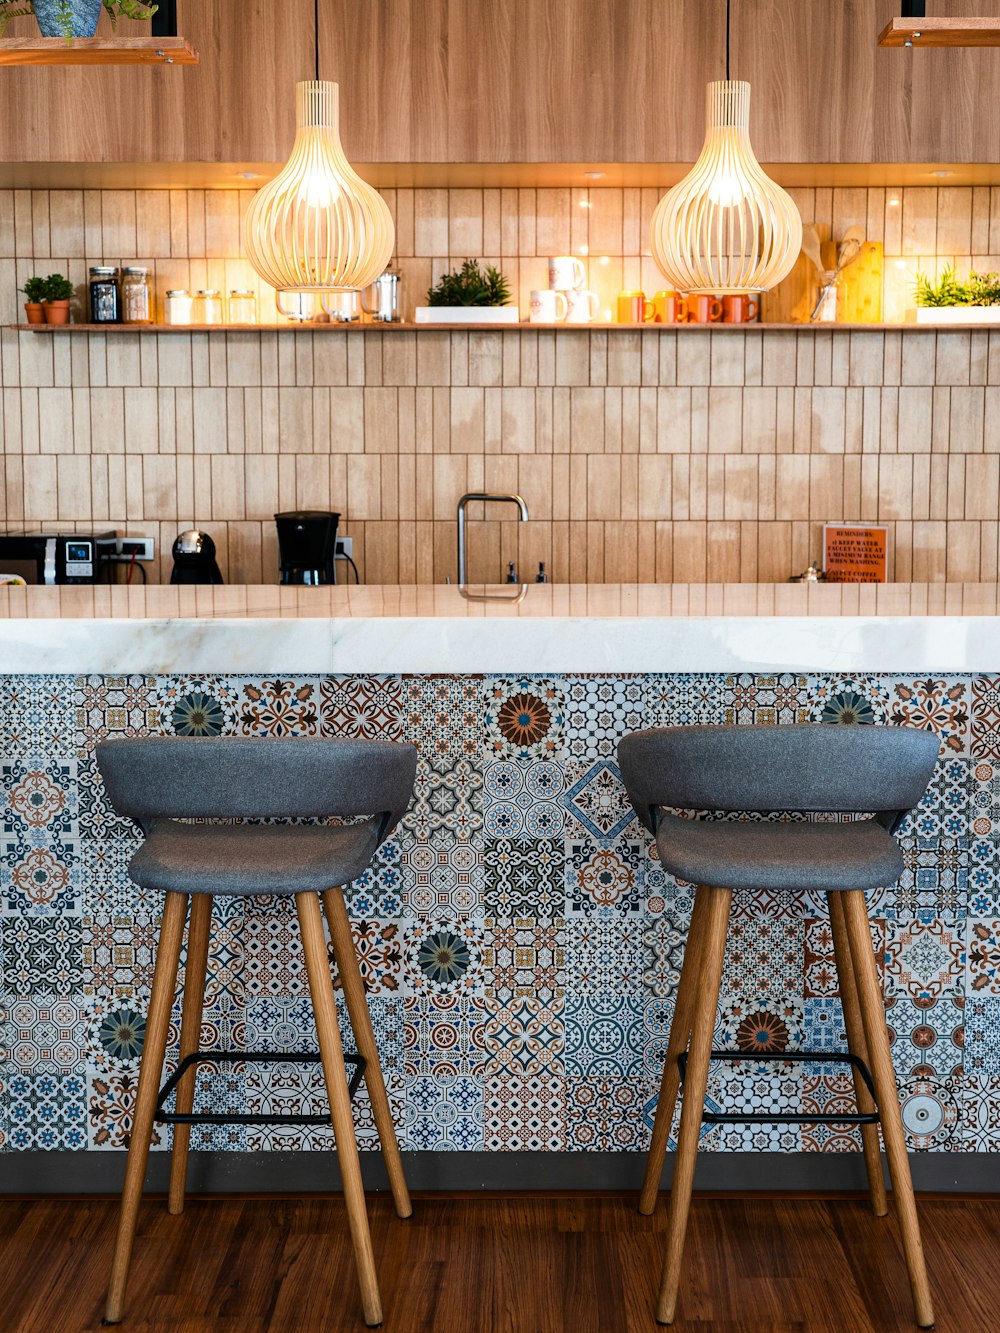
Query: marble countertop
548, 627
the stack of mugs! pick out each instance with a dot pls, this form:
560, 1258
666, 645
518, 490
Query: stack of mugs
673, 308
566, 300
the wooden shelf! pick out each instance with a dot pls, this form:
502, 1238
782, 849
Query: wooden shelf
97, 51
145, 330
940, 32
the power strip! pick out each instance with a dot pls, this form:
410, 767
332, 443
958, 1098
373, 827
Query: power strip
123, 550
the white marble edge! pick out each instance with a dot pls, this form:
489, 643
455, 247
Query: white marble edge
906, 628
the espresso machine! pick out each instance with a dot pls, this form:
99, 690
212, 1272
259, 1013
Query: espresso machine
307, 545
194, 558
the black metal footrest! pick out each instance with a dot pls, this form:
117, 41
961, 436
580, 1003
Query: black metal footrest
779, 1118
165, 1117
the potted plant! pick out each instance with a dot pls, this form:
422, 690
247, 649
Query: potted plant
72, 18
35, 290
951, 301
469, 295
58, 290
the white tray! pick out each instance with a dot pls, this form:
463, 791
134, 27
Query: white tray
467, 314
958, 314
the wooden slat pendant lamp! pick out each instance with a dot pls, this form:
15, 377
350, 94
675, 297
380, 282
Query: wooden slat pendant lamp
726, 227
317, 228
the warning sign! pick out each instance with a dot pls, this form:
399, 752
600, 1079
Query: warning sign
855, 553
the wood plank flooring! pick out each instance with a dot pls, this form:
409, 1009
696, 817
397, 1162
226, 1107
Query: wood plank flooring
484, 1264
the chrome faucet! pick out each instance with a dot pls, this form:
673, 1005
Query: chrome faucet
489, 499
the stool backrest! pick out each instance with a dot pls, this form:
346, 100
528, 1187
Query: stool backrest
809, 768
237, 777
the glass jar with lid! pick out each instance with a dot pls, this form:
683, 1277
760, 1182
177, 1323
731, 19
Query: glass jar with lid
208, 306
135, 296
177, 306
242, 306
105, 303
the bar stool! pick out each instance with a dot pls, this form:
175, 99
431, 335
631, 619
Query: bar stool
158, 781
809, 769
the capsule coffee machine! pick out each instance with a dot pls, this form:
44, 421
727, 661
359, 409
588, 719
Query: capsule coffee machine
194, 558
307, 544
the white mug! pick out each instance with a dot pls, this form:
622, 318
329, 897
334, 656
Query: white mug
566, 273
545, 306
583, 307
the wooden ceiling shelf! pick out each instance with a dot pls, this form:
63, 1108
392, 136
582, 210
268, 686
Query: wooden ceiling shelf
919, 33
97, 51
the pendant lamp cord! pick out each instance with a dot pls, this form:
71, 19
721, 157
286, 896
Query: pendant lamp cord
728, 21
316, 35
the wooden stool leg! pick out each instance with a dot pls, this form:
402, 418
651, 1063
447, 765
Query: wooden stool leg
195, 968
693, 1101
877, 1040
857, 1045
680, 1031
157, 1024
332, 1054
361, 1023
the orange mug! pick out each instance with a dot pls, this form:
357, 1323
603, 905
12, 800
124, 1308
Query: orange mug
738, 309
704, 309
633, 308
671, 308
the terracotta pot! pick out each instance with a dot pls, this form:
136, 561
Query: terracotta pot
35, 312
56, 312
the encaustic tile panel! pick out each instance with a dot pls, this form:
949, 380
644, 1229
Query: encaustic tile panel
519, 940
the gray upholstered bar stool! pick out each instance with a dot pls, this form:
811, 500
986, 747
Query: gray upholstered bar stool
159, 781
879, 771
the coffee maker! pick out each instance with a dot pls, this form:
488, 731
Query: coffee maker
194, 558
307, 544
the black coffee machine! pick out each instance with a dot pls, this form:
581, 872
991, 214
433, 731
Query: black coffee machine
307, 545
194, 559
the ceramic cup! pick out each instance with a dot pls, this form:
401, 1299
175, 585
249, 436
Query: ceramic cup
545, 306
583, 306
634, 308
671, 308
566, 273
738, 309
704, 309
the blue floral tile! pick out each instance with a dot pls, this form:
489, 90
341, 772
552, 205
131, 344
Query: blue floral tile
603, 876
525, 1036
444, 1113
110, 1109
596, 800
442, 874
40, 877
379, 891
930, 1113
979, 1111
928, 1040
197, 705
823, 1029
935, 704
442, 716
43, 1034
982, 1036
605, 1036
829, 1090
753, 1089
985, 708
663, 940
765, 954
46, 1112
766, 700
925, 960
361, 707
40, 800
934, 882
848, 700
600, 710
38, 717
761, 1024
695, 699
444, 1034
119, 954
112, 706
445, 798
278, 706
604, 955
524, 717
944, 811
444, 957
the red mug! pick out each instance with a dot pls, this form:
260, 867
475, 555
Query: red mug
739, 309
704, 309
671, 308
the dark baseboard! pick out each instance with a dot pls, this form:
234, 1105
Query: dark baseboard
307, 1172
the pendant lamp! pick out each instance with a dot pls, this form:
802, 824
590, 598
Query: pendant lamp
317, 228
726, 227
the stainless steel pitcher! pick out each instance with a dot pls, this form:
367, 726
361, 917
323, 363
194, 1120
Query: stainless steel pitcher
388, 299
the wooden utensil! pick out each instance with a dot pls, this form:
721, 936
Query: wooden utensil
847, 252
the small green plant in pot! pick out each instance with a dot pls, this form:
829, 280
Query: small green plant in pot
469, 295
58, 291
72, 18
35, 290
951, 301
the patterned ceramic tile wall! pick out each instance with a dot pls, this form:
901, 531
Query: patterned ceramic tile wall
520, 942
641, 456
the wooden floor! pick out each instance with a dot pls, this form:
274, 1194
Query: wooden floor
535, 1264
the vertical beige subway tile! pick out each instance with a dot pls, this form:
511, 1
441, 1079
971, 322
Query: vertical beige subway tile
919, 224
572, 359
779, 358
895, 487
624, 358
892, 243
739, 487
196, 239
606, 222
725, 420
66, 231
954, 221
753, 354
152, 223
694, 361
690, 552
980, 240
552, 224
603, 487
727, 364
492, 240
954, 356
430, 222
465, 223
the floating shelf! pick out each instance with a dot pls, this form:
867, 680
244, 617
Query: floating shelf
97, 51
940, 32
145, 330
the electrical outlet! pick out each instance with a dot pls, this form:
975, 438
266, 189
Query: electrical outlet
126, 548
345, 547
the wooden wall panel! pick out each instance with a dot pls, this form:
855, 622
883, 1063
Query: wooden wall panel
236, 105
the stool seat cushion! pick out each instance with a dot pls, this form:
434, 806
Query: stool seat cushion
245, 859
741, 854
